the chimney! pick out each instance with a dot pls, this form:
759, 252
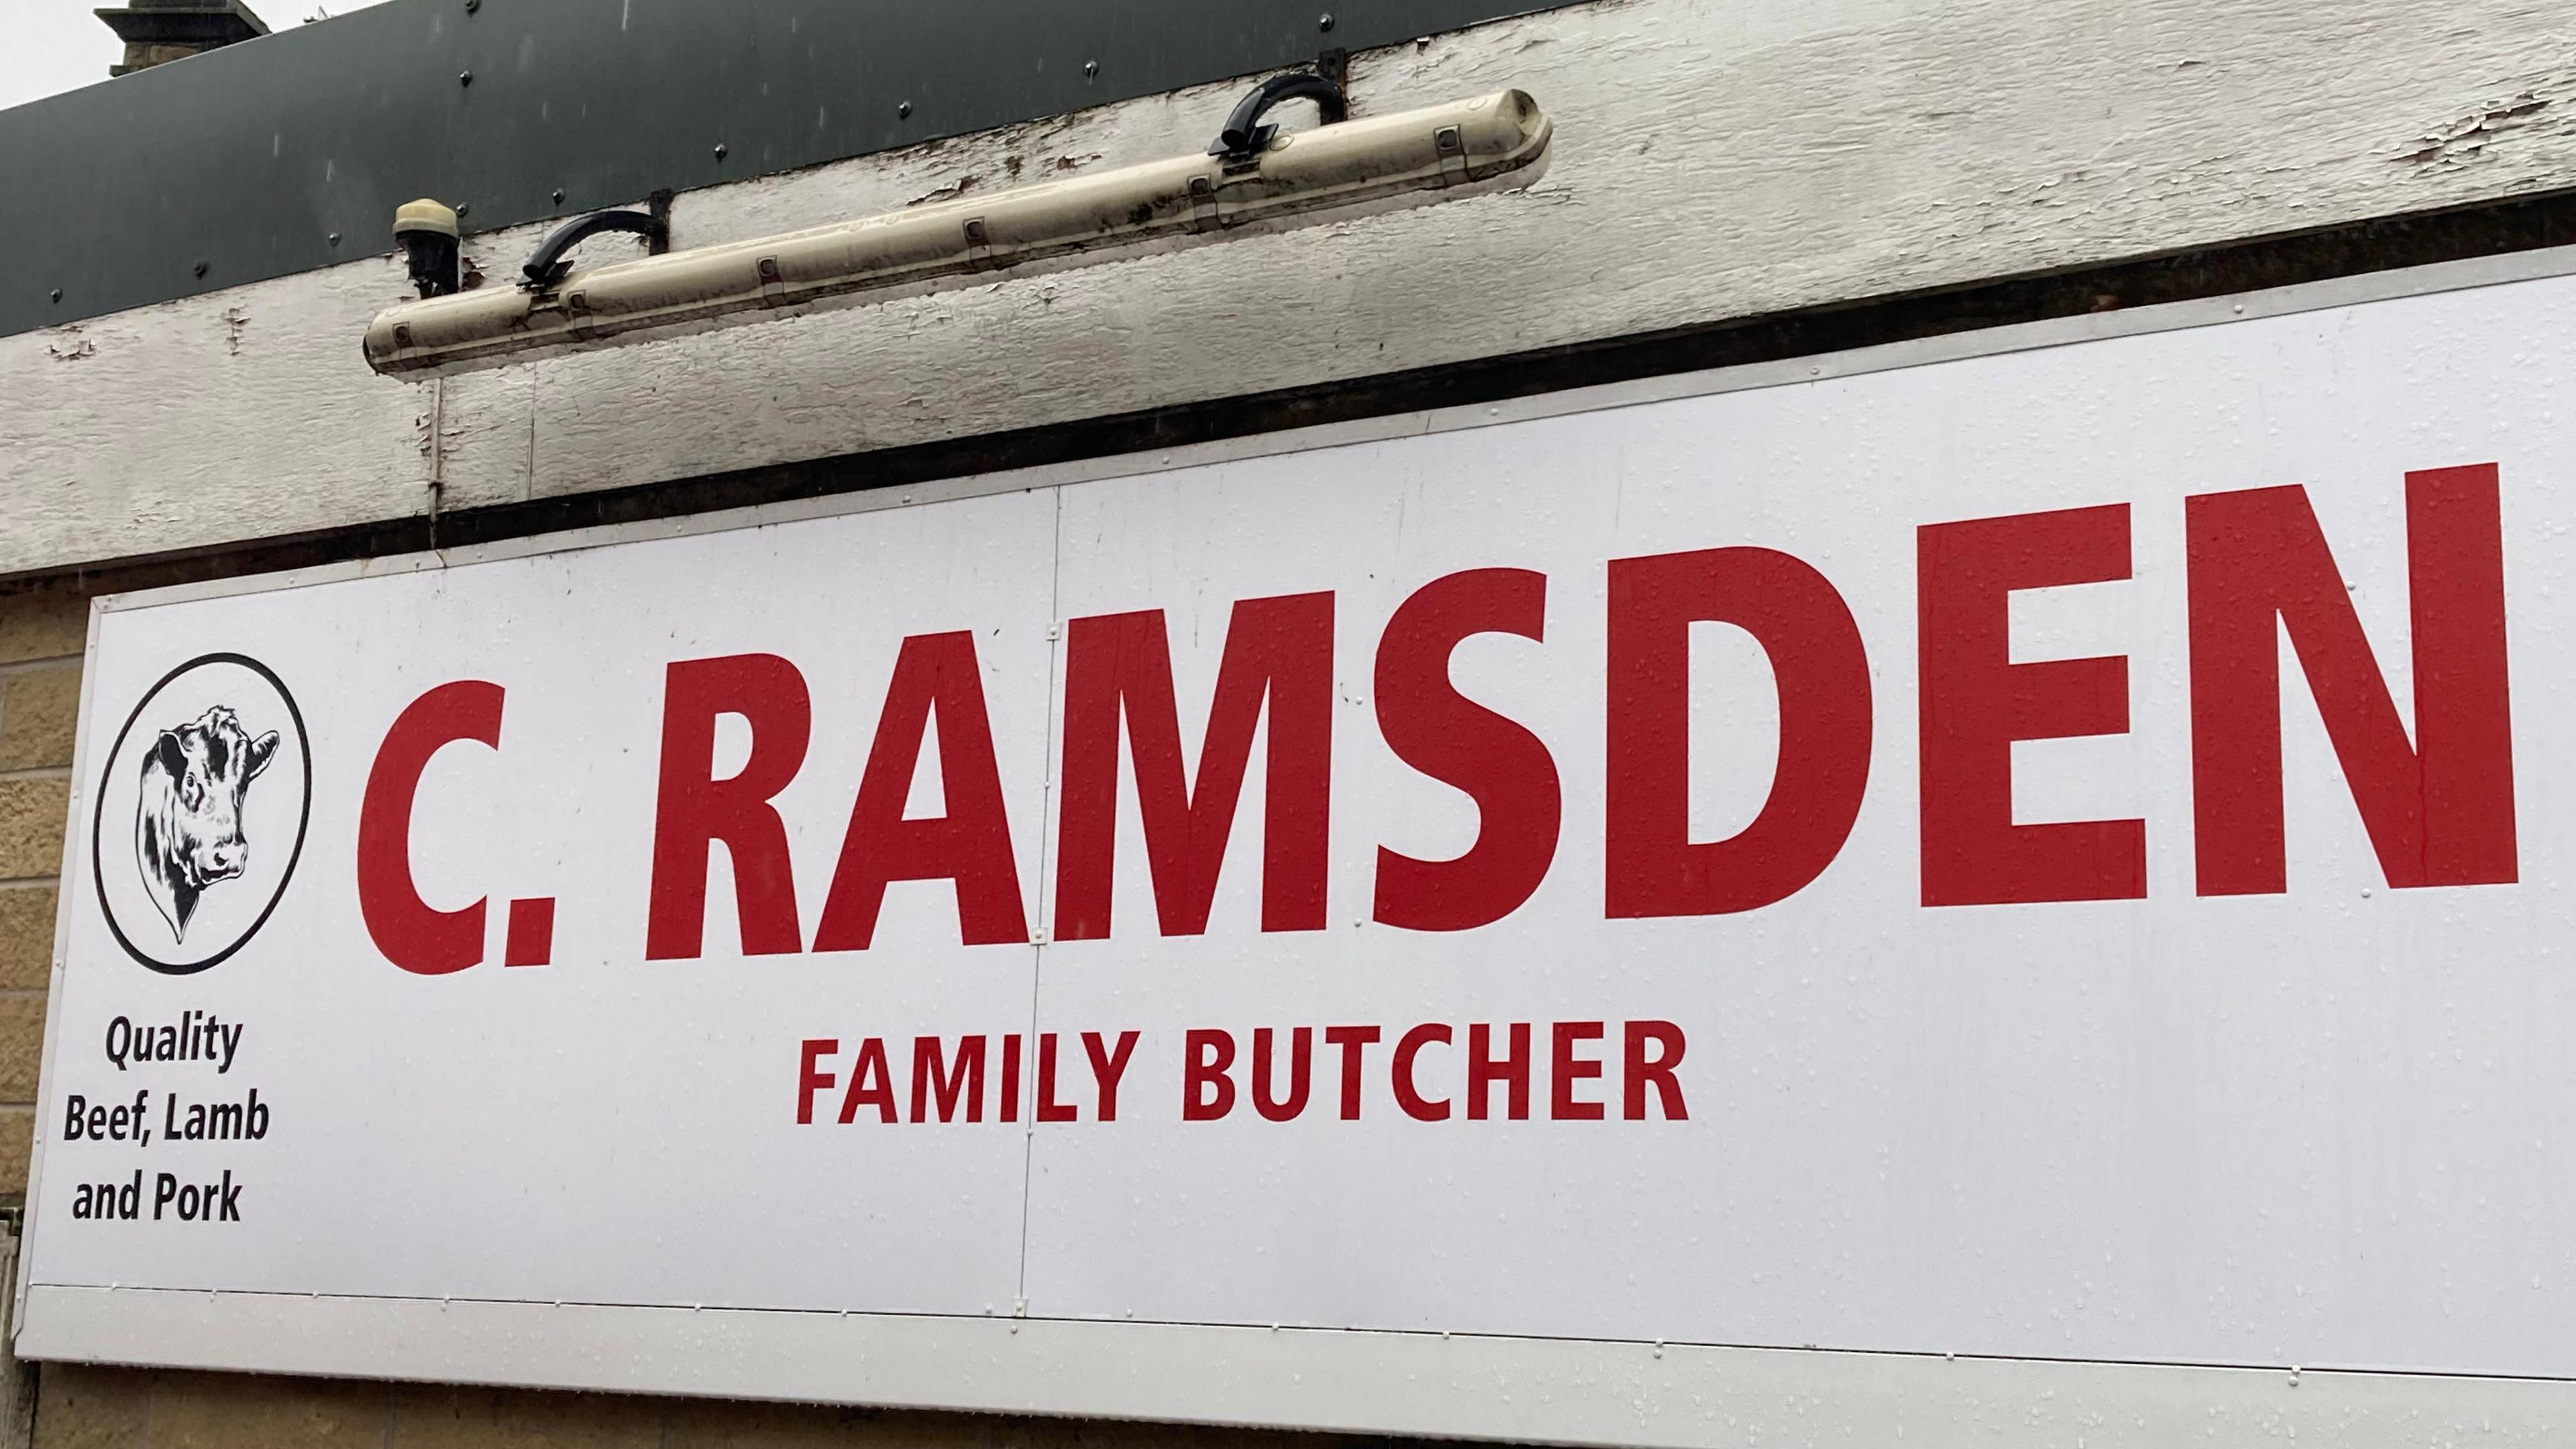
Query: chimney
163, 30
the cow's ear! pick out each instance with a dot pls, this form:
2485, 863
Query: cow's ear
167, 754
261, 750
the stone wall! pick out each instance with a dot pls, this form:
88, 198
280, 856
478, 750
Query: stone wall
83, 1407
41, 633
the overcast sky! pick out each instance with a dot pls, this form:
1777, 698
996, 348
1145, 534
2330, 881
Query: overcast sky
54, 45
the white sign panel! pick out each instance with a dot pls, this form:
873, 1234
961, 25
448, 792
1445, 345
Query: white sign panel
2056, 854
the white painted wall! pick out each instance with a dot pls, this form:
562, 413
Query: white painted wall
1714, 160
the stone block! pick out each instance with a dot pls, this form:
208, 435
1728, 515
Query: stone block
26, 937
441, 1417
17, 1147
86, 1406
253, 1411
82, 1407
22, 1047
31, 827
723, 1424
47, 622
38, 710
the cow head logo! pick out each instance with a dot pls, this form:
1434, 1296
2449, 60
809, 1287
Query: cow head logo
188, 822
202, 805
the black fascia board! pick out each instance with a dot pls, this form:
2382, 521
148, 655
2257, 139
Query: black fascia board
245, 163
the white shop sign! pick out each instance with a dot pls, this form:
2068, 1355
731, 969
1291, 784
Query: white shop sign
2058, 853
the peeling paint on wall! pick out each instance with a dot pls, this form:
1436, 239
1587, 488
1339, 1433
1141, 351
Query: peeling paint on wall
949, 192
2469, 138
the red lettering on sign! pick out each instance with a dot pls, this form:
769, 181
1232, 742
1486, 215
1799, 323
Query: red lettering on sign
948, 1081
970, 845
1301, 1073
528, 932
1119, 665
694, 810
1494, 761
1484, 1070
811, 1078
1659, 1070
1354, 1042
1976, 702
1010, 1078
1108, 1066
411, 933
2439, 810
870, 1081
1207, 1092
1408, 1094
1565, 1069
932, 1076
1048, 1108
1652, 866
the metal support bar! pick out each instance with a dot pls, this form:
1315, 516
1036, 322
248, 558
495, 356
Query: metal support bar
1244, 135
549, 266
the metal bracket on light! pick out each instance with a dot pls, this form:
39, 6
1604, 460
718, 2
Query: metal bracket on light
548, 266
1244, 136
1255, 179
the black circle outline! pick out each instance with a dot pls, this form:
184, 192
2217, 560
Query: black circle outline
304, 819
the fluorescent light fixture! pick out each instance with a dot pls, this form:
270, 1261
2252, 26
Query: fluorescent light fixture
1276, 181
